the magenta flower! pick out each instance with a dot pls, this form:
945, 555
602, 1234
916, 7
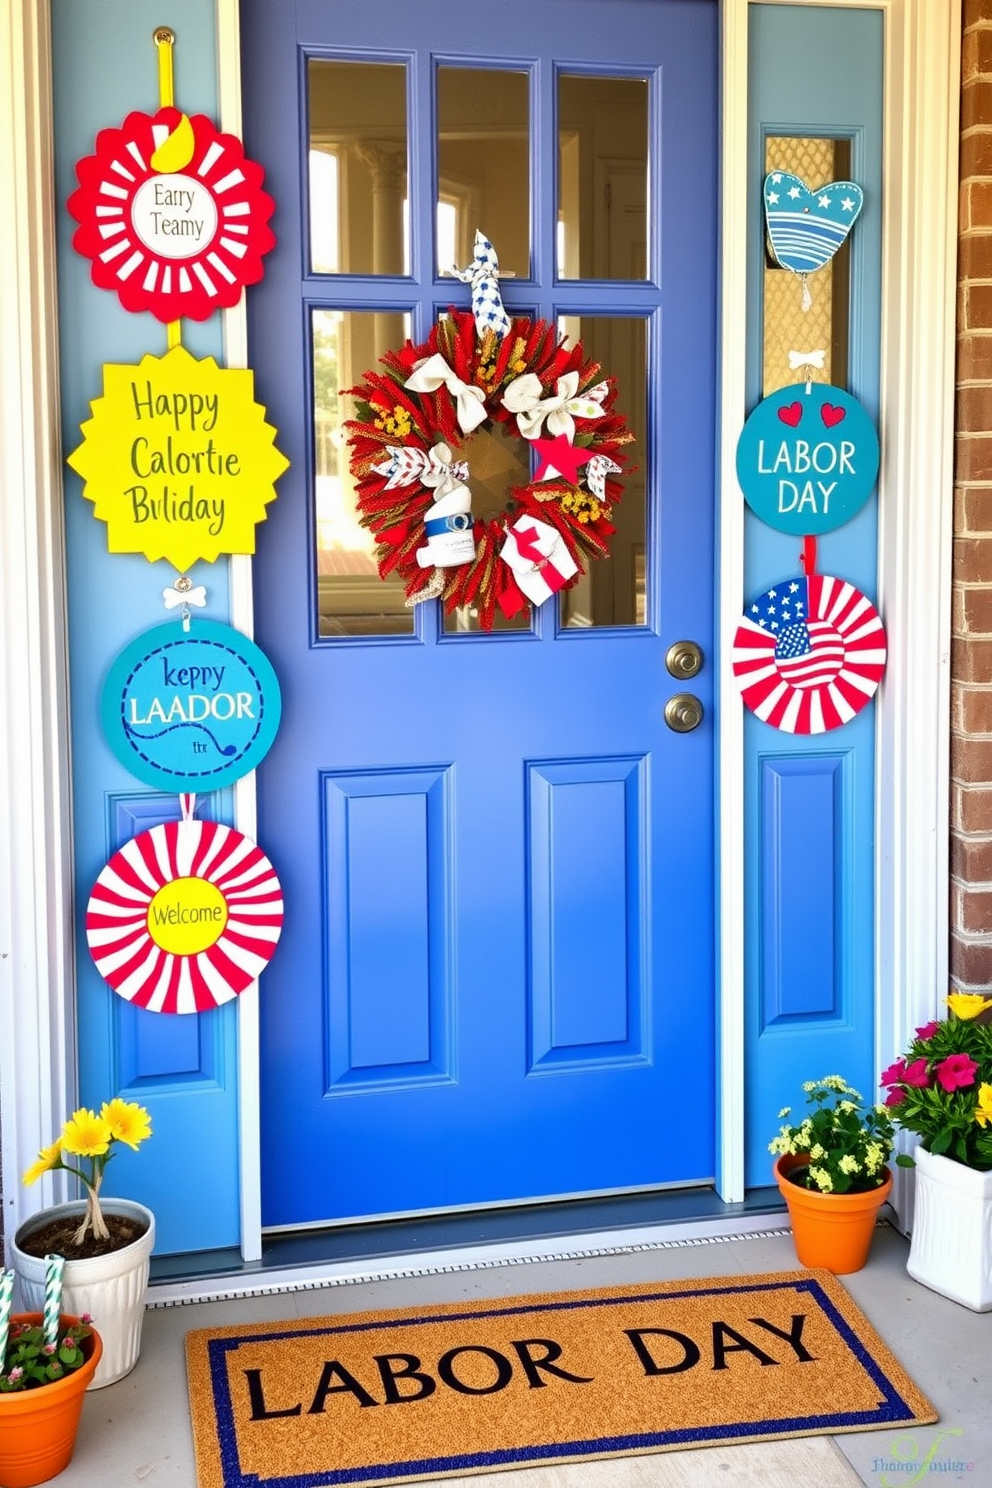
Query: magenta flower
916, 1073
895, 1097
927, 1031
956, 1072
893, 1074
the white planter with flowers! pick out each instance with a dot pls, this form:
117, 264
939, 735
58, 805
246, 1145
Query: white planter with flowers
942, 1090
106, 1243
951, 1248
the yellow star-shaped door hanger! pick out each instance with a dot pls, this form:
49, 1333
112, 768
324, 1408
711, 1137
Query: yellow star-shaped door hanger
178, 459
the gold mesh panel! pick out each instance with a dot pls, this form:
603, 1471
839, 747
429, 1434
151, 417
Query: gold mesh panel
787, 327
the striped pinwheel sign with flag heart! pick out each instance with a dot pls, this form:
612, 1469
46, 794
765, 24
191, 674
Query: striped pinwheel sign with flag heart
808, 654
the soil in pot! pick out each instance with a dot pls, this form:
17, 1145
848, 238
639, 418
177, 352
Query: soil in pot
56, 1238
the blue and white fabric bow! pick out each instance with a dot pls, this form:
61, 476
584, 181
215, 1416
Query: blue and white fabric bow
470, 401
433, 468
483, 275
597, 469
523, 397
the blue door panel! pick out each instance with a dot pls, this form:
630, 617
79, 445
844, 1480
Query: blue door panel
183, 1069
497, 860
809, 802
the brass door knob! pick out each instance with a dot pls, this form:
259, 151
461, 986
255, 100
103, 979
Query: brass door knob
683, 712
684, 659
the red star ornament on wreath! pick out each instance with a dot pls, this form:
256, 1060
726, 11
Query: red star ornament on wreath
809, 654
415, 418
184, 917
172, 215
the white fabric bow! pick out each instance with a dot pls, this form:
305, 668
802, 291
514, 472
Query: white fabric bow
598, 468
470, 401
799, 359
433, 468
523, 397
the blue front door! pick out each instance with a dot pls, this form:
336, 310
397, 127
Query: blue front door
496, 979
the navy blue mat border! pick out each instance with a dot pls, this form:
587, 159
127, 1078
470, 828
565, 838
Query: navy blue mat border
891, 1410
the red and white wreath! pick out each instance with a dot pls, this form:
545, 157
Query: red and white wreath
415, 417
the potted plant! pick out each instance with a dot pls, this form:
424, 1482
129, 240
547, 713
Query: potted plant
831, 1170
106, 1242
47, 1360
941, 1088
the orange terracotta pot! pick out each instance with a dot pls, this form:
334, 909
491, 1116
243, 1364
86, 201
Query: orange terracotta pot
833, 1231
38, 1427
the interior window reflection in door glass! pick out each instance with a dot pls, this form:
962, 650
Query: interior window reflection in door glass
358, 167
602, 177
483, 163
352, 600
613, 591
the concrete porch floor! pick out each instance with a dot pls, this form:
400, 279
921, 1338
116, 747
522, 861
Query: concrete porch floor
137, 1431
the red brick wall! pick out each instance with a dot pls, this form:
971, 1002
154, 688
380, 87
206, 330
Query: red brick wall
971, 657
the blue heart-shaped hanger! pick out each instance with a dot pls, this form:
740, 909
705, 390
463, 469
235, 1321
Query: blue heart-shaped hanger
805, 228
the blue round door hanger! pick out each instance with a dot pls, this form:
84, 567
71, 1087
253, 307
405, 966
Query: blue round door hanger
191, 711
807, 459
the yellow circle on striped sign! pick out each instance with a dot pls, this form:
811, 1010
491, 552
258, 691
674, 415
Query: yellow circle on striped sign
187, 916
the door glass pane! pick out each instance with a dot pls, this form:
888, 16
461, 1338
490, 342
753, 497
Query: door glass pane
823, 327
351, 597
483, 161
497, 459
613, 590
358, 168
602, 177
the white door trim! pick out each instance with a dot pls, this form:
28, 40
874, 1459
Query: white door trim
37, 1036
915, 533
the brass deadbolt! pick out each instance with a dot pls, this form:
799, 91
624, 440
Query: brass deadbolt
683, 712
684, 659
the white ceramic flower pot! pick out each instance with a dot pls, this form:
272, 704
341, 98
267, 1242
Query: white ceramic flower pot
951, 1249
111, 1288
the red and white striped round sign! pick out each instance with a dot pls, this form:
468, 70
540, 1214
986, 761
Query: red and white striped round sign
809, 654
184, 917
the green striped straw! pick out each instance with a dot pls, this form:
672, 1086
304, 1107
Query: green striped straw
6, 1296
54, 1266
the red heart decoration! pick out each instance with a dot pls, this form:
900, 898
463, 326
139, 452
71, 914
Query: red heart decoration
832, 415
791, 414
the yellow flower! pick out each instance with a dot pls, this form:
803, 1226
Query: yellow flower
48, 1158
86, 1134
966, 1004
128, 1122
822, 1179
817, 1151
849, 1164
983, 1111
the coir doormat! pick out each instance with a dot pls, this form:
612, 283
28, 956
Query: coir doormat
424, 1392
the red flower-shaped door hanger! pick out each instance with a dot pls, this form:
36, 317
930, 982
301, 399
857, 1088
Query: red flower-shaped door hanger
172, 215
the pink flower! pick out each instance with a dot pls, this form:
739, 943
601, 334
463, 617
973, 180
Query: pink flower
916, 1073
16, 1372
927, 1031
893, 1074
895, 1097
956, 1072
49, 1348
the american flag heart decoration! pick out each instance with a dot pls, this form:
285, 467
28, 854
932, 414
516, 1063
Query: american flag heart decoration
184, 917
808, 654
806, 228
